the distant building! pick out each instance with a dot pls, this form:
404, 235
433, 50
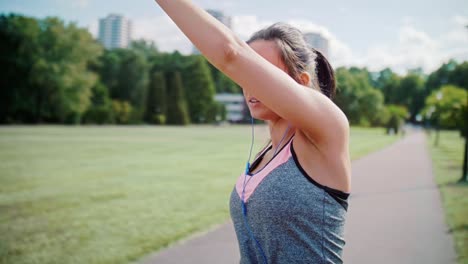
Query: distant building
317, 41
235, 106
219, 15
115, 31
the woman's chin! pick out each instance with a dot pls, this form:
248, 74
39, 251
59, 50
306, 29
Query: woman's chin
262, 115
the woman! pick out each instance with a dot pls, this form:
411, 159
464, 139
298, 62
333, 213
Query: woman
290, 205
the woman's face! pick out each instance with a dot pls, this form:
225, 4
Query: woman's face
269, 51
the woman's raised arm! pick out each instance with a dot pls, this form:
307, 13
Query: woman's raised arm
305, 108
211, 37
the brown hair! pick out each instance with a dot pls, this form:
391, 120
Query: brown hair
299, 57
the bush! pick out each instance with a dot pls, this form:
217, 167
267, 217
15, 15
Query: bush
101, 114
122, 111
159, 119
396, 116
216, 113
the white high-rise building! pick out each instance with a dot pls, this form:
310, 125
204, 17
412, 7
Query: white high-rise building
115, 31
219, 15
317, 41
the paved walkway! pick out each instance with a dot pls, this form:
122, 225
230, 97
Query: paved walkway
395, 216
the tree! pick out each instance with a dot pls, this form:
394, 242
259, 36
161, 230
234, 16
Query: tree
412, 94
19, 47
217, 112
395, 116
199, 89
48, 63
361, 103
445, 108
177, 110
388, 82
464, 132
132, 81
223, 84
147, 48
122, 111
100, 110
156, 108
61, 73
459, 77
441, 76
125, 73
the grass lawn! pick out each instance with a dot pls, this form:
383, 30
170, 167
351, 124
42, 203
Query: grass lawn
447, 161
115, 194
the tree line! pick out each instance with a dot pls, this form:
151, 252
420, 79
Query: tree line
386, 98
55, 72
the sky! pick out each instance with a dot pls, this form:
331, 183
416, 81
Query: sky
400, 34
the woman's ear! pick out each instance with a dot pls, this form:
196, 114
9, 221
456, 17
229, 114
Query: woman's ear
305, 78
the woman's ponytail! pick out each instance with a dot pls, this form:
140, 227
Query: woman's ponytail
325, 75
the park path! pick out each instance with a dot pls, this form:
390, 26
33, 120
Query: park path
395, 215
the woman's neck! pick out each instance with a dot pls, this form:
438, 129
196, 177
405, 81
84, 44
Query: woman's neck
278, 128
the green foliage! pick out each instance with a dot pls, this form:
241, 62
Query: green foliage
412, 94
459, 75
125, 73
177, 110
454, 74
216, 113
100, 111
145, 48
156, 107
199, 89
56, 72
223, 84
442, 76
389, 83
122, 111
47, 76
18, 48
361, 103
394, 117
446, 107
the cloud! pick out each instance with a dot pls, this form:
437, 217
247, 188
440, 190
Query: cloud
246, 25
454, 42
163, 32
168, 37
81, 4
414, 48
411, 48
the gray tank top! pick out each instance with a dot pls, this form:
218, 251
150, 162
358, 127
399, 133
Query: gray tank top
288, 215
